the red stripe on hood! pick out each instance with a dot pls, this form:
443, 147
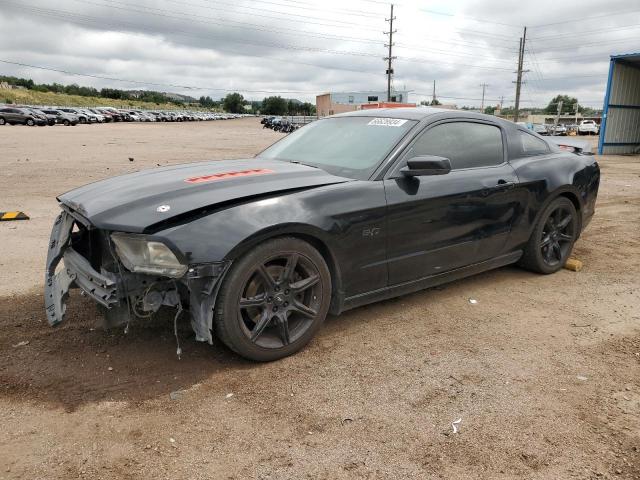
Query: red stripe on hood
226, 175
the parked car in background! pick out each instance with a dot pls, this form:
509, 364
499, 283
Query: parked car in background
51, 119
588, 127
110, 112
82, 117
63, 118
91, 116
558, 130
540, 129
102, 118
42, 116
20, 116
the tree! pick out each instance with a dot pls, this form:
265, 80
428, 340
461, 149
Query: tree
307, 108
435, 102
568, 105
274, 106
490, 110
233, 103
207, 102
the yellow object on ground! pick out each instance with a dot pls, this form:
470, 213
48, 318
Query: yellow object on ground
4, 216
573, 265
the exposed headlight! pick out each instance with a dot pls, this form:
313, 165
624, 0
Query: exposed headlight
147, 256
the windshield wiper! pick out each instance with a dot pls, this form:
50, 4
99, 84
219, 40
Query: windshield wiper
305, 164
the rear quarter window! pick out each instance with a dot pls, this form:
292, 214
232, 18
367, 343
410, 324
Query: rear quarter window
532, 145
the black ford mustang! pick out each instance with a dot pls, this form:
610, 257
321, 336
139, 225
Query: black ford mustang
346, 211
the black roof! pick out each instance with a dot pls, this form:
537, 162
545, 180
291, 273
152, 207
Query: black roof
421, 113
406, 113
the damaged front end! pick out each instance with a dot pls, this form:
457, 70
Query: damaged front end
127, 275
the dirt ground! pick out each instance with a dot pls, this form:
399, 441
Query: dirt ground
543, 371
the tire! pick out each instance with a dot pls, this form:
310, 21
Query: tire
2, 121
273, 300
553, 237
83, 120
66, 123
30, 122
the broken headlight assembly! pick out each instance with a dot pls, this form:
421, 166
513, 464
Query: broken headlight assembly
141, 255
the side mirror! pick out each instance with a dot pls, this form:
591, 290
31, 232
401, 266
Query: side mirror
426, 165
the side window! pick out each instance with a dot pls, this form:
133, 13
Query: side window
532, 145
466, 144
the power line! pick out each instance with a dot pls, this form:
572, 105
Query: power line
587, 32
580, 19
581, 45
155, 84
480, 20
72, 17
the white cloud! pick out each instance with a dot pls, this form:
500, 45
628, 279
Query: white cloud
313, 47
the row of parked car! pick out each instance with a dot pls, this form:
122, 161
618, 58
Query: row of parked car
285, 124
68, 116
586, 127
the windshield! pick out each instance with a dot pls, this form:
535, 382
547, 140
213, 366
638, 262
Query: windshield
347, 146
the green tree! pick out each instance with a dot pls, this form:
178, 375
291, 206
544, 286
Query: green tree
233, 103
490, 110
568, 105
307, 108
206, 102
435, 102
274, 106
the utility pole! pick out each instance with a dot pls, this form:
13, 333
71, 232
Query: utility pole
501, 102
558, 115
390, 58
523, 40
433, 98
484, 86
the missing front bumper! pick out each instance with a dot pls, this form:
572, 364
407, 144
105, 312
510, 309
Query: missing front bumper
123, 294
76, 271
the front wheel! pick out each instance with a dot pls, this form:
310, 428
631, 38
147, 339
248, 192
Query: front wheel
553, 237
273, 300
30, 122
2, 121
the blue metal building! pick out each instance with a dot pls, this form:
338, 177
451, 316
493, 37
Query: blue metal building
620, 128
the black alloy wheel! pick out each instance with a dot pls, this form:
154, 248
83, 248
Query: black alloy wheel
553, 237
557, 236
273, 300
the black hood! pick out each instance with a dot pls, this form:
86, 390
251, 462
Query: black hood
134, 202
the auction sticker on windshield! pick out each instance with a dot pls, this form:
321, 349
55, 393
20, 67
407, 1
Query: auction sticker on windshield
387, 122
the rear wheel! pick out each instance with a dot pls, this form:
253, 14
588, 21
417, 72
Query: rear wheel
2, 121
553, 237
273, 300
66, 123
30, 122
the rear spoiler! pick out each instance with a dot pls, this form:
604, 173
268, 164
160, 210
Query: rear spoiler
579, 147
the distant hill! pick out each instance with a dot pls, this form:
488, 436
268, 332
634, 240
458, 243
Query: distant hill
33, 97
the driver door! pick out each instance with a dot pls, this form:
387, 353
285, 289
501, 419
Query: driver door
437, 223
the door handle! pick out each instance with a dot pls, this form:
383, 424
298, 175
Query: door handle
504, 185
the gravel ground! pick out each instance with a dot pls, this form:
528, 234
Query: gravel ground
543, 371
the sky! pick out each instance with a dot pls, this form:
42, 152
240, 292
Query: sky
301, 48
